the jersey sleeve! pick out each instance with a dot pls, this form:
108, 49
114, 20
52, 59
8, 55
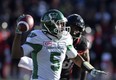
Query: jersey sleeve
71, 52
27, 49
26, 62
32, 43
81, 44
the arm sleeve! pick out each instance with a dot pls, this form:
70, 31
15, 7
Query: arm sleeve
71, 52
26, 62
27, 49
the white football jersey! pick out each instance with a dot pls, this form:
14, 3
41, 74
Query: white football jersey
48, 53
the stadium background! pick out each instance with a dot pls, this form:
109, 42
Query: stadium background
99, 17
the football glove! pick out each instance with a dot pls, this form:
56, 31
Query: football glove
17, 30
94, 72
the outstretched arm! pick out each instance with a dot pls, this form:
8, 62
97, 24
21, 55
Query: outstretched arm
17, 51
79, 61
23, 23
85, 55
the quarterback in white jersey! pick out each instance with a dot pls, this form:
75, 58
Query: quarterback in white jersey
49, 47
48, 54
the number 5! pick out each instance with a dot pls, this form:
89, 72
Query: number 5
56, 62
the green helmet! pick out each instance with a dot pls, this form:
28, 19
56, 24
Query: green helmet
53, 21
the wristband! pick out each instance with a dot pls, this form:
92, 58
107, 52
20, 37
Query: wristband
87, 66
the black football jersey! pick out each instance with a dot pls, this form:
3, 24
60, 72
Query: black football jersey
80, 45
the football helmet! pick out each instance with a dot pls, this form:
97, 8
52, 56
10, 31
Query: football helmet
76, 23
54, 21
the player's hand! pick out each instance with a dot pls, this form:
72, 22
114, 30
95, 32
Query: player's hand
17, 30
24, 23
96, 72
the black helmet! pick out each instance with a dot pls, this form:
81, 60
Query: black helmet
75, 20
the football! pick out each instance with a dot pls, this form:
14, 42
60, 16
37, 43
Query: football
25, 23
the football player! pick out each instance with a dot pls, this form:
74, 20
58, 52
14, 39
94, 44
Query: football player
81, 44
49, 48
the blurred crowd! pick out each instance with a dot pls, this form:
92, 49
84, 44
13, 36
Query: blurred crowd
99, 17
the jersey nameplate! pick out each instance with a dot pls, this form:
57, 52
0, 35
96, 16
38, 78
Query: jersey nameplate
55, 46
